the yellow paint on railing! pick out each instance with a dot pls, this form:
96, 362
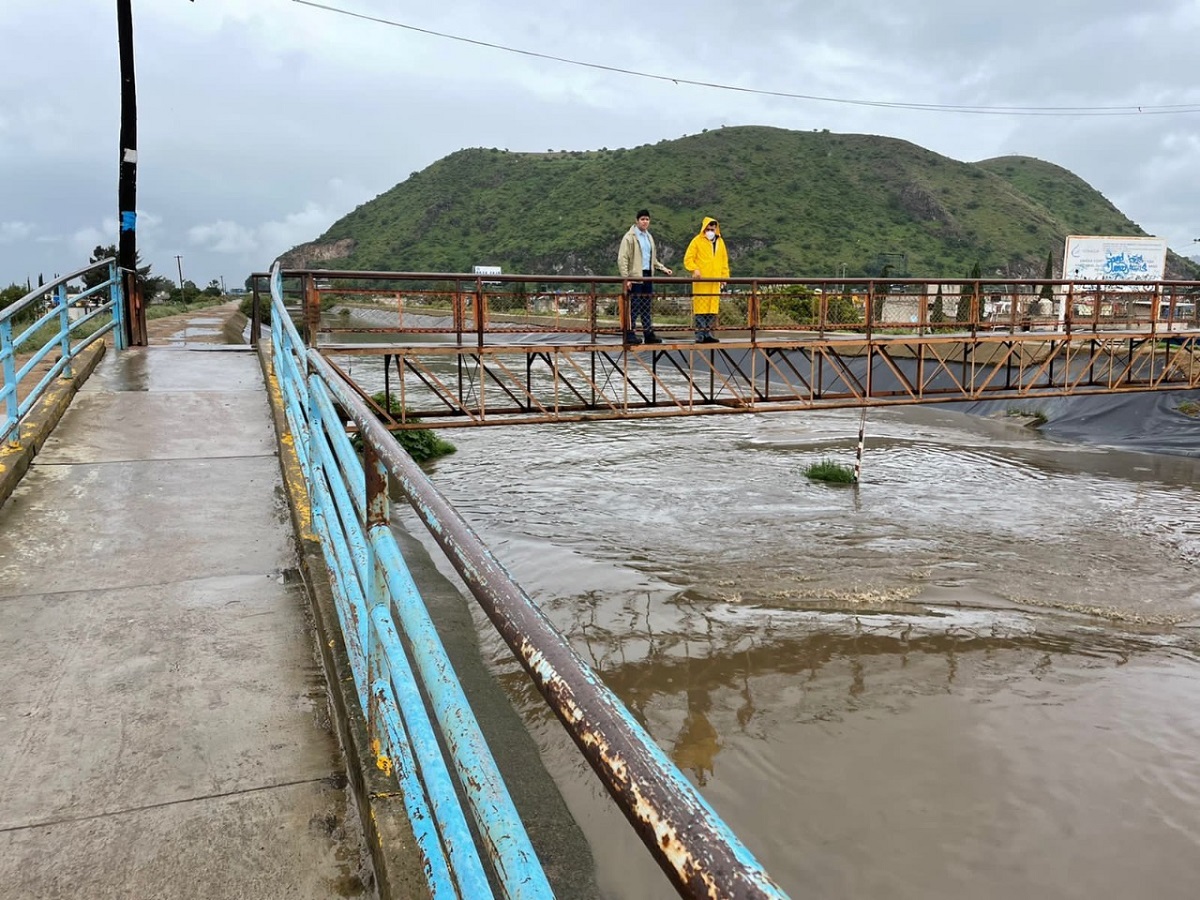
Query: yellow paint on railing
293, 473
383, 763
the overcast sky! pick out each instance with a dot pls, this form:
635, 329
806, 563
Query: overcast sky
261, 122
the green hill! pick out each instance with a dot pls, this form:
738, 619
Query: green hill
1070, 199
791, 203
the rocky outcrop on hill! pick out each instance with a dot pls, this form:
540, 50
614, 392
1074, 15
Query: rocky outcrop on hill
305, 255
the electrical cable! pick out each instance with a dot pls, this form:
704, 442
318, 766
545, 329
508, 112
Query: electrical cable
1137, 110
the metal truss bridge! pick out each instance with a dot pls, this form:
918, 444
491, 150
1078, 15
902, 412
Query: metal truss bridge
455, 351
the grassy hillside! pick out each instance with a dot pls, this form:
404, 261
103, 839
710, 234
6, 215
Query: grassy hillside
790, 203
1067, 197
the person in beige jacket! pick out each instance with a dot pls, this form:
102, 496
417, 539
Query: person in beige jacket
637, 259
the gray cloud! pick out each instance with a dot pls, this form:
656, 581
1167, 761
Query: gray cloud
260, 124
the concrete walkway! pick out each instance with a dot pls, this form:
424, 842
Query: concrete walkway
164, 730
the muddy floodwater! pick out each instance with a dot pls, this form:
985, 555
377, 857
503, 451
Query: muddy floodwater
975, 674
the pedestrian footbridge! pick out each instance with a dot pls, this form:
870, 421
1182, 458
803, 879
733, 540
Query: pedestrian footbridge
455, 351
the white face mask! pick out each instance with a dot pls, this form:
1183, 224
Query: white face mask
710, 234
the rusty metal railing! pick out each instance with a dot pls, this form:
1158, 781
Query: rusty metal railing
479, 308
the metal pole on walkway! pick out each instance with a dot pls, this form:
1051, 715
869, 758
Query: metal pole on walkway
135, 321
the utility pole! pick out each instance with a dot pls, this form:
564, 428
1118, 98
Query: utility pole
135, 319
222, 285
179, 264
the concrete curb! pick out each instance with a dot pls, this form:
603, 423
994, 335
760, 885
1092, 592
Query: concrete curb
17, 455
399, 866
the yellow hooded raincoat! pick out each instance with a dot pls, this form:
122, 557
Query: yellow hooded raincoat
711, 262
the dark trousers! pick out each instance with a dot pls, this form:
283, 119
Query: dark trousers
640, 295
704, 324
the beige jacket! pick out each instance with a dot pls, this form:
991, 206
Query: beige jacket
629, 257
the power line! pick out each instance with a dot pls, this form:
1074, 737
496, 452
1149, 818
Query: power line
1144, 110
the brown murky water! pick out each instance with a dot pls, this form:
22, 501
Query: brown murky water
954, 680
974, 675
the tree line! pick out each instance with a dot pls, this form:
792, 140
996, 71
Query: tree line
155, 288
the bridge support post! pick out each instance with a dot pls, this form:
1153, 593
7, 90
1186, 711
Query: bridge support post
480, 312
64, 324
752, 311
377, 516
9, 391
133, 330
120, 310
312, 309
255, 313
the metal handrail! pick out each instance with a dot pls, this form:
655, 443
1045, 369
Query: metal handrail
11, 345
697, 850
474, 307
391, 642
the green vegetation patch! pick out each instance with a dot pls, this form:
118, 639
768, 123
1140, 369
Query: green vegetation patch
1189, 408
422, 444
831, 472
246, 307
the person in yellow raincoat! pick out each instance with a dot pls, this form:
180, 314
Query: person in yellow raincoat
706, 258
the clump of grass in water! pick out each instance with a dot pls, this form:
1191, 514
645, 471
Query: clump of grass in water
829, 471
1036, 419
1189, 408
422, 444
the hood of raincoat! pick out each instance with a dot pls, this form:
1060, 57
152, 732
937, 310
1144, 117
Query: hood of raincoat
709, 220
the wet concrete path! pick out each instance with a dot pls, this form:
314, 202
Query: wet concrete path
163, 722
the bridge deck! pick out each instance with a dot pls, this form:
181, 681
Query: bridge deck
163, 722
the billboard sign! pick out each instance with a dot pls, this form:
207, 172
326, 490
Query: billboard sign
487, 270
1098, 258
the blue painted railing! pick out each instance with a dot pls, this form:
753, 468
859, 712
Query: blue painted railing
103, 301
398, 660
377, 602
